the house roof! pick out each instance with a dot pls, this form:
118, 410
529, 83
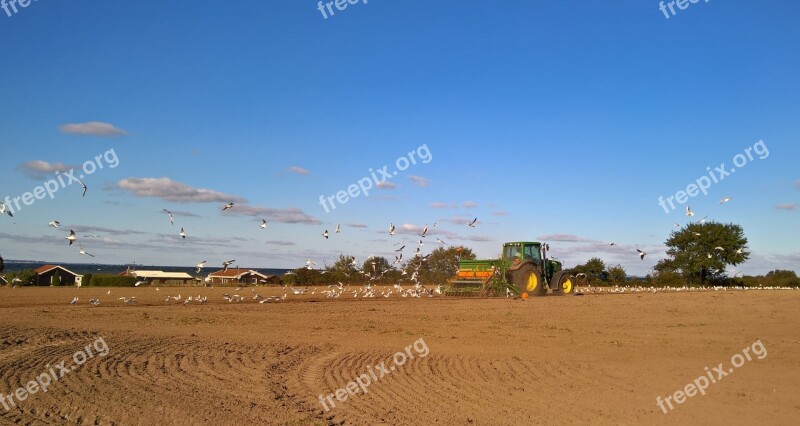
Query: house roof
162, 274
47, 268
236, 273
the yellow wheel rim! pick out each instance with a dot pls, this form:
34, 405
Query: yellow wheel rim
567, 285
533, 282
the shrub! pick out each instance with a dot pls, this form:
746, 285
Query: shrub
112, 281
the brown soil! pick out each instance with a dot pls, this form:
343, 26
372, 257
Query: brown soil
595, 358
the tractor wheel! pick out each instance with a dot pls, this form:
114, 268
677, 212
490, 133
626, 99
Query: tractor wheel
564, 283
528, 279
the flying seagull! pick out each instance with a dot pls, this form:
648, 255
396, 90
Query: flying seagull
472, 224
391, 229
226, 264
6, 210
227, 206
83, 252
725, 200
613, 244
720, 248
171, 219
689, 211
424, 231
54, 223
338, 229
200, 266
71, 238
263, 224
641, 254
183, 233
325, 234
83, 185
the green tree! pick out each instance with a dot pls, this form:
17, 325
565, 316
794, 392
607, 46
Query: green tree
594, 270
617, 275
26, 277
440, 265
700, 252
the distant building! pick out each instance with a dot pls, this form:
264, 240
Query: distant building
242, 276
56, 276
161, 277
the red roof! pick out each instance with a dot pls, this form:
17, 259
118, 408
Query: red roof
47, 268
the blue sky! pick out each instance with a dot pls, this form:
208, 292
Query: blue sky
557, 121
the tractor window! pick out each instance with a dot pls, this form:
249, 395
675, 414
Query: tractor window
512, 252
532, 253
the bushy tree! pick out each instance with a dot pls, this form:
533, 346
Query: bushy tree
595, 270
26, 276
440, 266
700, 252
617, 275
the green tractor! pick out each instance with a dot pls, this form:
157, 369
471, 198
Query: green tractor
523, 268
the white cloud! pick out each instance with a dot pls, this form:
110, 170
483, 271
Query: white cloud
356, 225
290, 215
440, 205
787, 206
419, 181
170, 190
386, 185
92, 128
299, 170
37, 168
470, 204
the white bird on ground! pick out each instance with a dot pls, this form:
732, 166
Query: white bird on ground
182, 234
227, 206
689, 211
83, 252
263, 224
200, 267
641, 254
71, 237
83, 185
128, 300
226, 264
725, 200
140, 282
171, 219
95, 302
472, 224
74, 300
54, 223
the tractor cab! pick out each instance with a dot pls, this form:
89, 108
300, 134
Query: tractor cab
522, 251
